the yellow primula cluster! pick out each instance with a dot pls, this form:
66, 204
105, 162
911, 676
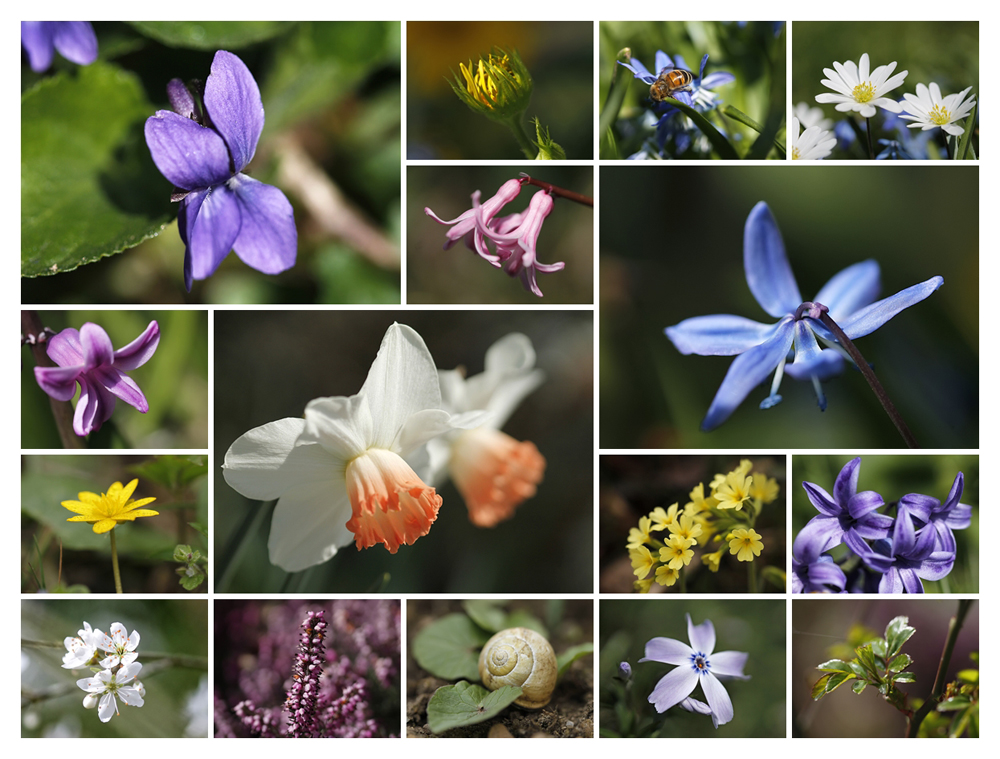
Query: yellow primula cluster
662, 546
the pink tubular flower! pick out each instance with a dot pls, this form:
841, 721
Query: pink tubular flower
87, 357
516, 248
465, 225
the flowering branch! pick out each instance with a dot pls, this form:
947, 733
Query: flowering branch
559, 192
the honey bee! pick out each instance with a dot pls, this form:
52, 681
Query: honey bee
668, 82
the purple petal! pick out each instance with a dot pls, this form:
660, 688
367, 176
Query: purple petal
918, 506
718, 335
189, 155
58, 382
822, 500
870, 318
911, 582
97, 346
730, 664
717, 79
954, 495
233, 102
93, 408
767, 270
36, 38
960, 517
212, 220
65, 348
747, 371
673, 687
826, 573
663, 61
850, 289
936, 566
121, 386
863, 503
139, 351
668, 651
718, 699
638, 70
702, 636
891, 582
268, 239
846, 484
823, 533
904, 537
76, 41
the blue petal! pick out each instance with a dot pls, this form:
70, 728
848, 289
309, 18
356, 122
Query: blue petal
36, 38
639, 71
810, 360
870, 318
212, 224
851, 289
663, 61
747, 371
717, 79
189, 155
718, 335
233, 102
268, 240
76, 41
767, 270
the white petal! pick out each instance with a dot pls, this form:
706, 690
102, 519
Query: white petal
702, 636
718, 698
310, 524
107, 708
265, 462
344, 427
668, 651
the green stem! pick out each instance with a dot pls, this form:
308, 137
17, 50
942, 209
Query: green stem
954, 628
751, 577
523, 140
871, 150
114, 562
684, 584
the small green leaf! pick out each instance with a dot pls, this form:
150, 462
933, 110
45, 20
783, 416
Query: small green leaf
466, 704
190, 583
210, 35
172, 472
900, 663
775, 576
897, 632
89, 188
486, 614
570, 655
905, 677
721, 145
449, 647
859, 686
867, 660
835, 665
199, 528
969, 676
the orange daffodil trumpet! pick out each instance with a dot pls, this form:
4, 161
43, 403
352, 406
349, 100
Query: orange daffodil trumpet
340, 473
493, 471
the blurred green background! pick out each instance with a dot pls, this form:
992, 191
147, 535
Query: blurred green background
752, 52
559, 55
176, 701
64, 556
458, 275
819, 628
298, 356
946, 52
655, 273
893, 477
632, 486
174, 381
331, 143
756, 627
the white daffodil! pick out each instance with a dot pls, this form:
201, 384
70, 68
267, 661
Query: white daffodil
810, 116
339, 474
120, 646
813, 144
859, 89
104, 688
928, 110
81, 649
493, 471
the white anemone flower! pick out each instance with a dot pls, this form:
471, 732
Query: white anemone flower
812, 145
81, 649
120, 646
859, 89
494, 472
104, 688
339, 474
696, 664
928, 110
810, 116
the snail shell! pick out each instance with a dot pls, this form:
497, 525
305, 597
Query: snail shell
520, 657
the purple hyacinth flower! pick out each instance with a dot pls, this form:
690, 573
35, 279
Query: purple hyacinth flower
942, 517
75, 41
89, 359
914, 558
812, 570
764, 348
846, 517
221, 209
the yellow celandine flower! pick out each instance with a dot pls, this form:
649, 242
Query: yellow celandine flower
642, 561
711, 560
677, 553
666, 575
734, 491
638, 536
686, 527
663, 519
764, 488
106, 510
745, 544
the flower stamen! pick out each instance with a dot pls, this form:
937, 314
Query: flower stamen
863, 92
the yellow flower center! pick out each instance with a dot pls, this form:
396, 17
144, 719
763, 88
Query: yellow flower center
863, 92
482, 84
796, 154
939, 115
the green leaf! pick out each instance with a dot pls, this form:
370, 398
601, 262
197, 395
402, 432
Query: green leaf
835, 665
486, 614
905, 677
828, 683
721, 145
775, 576
211, 35
762, 145
859, 686
449, 647
897, 632
954, 704
524, 618
199, 528
89, 188
969, 676
190, 583
867, 660
965, 147
466, 704
900, 663
172, 472
570, 655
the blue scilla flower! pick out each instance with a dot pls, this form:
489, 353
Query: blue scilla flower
700, 96
790, 345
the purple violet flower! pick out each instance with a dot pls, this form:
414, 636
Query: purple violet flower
764, 348
89, 359
913, 556
203, 151
75, 41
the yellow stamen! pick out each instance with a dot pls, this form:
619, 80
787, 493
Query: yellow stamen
863, 92
940, 116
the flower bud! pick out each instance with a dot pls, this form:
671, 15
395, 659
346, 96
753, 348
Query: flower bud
497, 86
90, 700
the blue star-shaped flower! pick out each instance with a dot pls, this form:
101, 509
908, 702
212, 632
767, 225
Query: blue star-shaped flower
701, 95
763, 348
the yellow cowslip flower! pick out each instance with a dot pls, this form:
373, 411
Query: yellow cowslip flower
743, 469
642, 561
666, 576
676, 553
642, 586
699, 501
764, 488
711, 560
734, 491
686, 526
106, 510
663, 519
745, 543
638, 536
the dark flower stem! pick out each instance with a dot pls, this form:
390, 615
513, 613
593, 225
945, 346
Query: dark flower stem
871, 150
954, 628
114, 563
62, 411
559, 192
869, 375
